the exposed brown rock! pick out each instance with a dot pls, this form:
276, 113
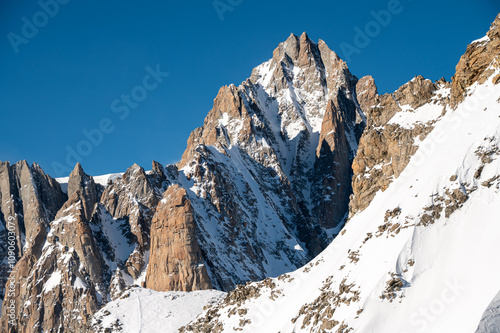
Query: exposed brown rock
366, 93
176, 261
228, 101
415, 93
79, 181
473, 65
385, 149
28, 196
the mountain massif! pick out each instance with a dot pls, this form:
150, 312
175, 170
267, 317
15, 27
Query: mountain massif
315, 203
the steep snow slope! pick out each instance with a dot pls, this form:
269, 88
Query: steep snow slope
423, 257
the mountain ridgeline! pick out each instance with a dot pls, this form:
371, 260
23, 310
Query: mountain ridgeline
262, 188
282, 162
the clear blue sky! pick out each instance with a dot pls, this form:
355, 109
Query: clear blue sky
64, 79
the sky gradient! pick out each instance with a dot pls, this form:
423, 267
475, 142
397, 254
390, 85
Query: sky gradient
65, 76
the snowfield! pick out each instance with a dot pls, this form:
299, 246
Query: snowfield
491, 318
147, 311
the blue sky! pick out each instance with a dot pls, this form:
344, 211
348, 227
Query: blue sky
64, 85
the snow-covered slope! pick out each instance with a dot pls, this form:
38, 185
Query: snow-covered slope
148, 311
490, 322
423, 257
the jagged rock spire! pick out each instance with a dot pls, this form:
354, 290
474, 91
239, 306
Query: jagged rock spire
176, 261
83, 186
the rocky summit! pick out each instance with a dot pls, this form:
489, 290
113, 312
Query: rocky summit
303, 177
262, 188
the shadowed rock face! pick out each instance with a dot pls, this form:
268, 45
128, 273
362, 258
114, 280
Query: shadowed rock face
61, 271
176, 261
332, 171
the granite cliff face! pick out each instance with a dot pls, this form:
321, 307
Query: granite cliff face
175, 261
29, 200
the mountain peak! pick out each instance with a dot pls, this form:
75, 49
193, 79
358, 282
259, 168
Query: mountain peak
305, 37
82, 185
77, 170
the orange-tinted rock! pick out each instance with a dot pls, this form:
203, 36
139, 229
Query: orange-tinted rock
175, 261
473, 65
385, 149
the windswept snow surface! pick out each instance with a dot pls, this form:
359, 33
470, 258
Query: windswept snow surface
147, 311
490, 323
103, 180
448, 267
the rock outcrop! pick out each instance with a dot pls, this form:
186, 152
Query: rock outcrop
279, 165
479, 62
385, 148
175, 261
59, 277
